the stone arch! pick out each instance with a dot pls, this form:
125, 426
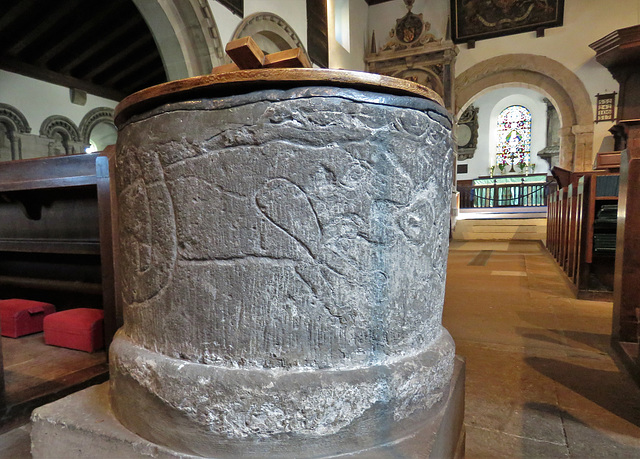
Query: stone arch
559, 84
12, 116
92, 119
12, 124
97, 129
63, 133
270, 32
186, 36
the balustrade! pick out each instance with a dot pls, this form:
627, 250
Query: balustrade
496, 194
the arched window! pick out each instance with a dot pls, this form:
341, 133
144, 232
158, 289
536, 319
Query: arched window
514, 137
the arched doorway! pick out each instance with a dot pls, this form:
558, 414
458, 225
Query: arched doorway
561, 86
486, 150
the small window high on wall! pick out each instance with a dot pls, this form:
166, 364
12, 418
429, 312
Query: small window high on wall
342, 23
317, 32
514, 137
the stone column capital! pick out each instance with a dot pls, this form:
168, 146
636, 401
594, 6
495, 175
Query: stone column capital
565, 131
578, 129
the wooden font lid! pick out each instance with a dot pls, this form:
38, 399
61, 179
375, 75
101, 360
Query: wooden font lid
242, 81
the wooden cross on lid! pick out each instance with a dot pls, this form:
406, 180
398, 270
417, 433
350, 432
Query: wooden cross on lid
246, 54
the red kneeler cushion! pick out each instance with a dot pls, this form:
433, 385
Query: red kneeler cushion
23, 317
79, 328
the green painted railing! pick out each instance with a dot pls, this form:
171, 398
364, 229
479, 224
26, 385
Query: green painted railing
523, 194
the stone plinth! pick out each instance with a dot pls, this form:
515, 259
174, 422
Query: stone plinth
282, 263
83, 426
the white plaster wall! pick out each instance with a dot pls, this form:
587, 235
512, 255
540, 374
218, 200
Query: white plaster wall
294, 12
38, 100
340, 58
225, 20
489, 107
585, 21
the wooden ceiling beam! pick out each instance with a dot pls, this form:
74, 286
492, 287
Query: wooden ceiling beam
92, 23
132, 68
15, 11
123, 58
39, 73
151, 78
45, 24
100, 49
235, 6
104, 43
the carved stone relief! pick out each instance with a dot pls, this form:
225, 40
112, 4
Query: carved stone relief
551, 153
416, 55
410, 31
97, 128
467, 133
14, 117
283, 266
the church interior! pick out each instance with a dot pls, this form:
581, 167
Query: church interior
116, 186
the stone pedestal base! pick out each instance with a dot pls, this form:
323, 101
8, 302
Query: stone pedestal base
83, 426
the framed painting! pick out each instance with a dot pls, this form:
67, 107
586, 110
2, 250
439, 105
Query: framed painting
480, 19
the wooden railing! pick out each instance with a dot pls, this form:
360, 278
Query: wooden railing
506, 194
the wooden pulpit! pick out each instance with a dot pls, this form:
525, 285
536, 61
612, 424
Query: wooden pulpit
619, 52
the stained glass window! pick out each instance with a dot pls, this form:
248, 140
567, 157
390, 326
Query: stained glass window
514, 137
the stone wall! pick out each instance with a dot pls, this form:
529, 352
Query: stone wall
58, 135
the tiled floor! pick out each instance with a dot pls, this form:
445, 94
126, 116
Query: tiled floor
540, 379
541, 382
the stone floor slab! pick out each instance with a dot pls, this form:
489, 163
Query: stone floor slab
16, 443
541, 380
491, 444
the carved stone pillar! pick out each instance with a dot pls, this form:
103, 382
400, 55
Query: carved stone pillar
576, 148
567, 148
583, 147
282, 263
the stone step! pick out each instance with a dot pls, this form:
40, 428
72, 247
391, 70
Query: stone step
501, 229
